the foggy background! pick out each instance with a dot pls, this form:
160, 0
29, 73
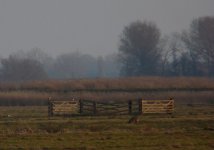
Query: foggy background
89, 26
69, 39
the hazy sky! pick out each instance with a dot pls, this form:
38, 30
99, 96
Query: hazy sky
90, 26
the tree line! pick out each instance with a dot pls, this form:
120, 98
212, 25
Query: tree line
142, 51
35, 64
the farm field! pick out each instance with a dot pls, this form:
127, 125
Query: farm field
24, 122
28, 127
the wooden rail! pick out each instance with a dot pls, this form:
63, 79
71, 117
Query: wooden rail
63, 107
86, 107
105, 108
158, 106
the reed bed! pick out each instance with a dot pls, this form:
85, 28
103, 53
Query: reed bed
132, 83
38, 98
182, 89
23, 98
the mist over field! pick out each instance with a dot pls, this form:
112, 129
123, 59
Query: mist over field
97, 39
106, 74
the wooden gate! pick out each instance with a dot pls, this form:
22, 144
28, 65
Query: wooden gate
85, 107
106, 108
63, 107
158, 106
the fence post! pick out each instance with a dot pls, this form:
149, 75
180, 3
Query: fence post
130, 107
94, 108
172, 101
140, 106
50, 108
81, 106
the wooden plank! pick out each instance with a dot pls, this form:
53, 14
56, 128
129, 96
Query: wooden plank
157, 106
61, 108
64, 107
113, 112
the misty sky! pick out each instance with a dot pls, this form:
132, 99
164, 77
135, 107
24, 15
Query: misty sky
90, 26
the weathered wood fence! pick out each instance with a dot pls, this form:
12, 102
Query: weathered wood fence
86, 107
158, 106
63, 107
105, 108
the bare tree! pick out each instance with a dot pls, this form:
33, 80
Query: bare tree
75, 65
100, 66
199, 40
138, 49
36, 54
111, 66
175, 51
16, 69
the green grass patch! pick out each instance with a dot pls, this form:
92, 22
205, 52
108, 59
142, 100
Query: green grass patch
182, 131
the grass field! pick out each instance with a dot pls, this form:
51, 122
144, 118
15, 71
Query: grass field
190, 127
24, 122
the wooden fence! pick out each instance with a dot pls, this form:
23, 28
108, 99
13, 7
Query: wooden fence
107, 108
63, 107
86, 107
158, 106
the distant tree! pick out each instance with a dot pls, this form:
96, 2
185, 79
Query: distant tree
199, 40
100, 66
186, 65
176, 58
75, 65
166, 56
39, 55
111, 66
139, 52
175, 51
16, 69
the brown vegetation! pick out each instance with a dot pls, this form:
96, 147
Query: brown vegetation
190, 127
134, 120
182, 89
132, 83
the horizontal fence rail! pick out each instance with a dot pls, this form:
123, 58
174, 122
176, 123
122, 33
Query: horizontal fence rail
63, 107
157, 106
105, 108
87, 107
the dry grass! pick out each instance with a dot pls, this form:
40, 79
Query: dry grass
190, 127
180, 97
23, 98
182, 89
41, 98
133, 83
29, 128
